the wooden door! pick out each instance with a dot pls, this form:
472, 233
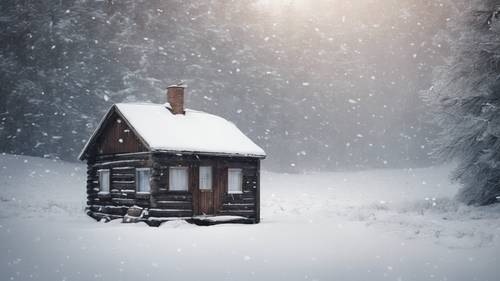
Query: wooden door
206, 182
206, 202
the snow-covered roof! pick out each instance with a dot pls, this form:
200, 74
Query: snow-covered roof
194, 131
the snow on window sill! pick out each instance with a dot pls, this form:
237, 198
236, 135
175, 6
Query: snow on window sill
142, 195
235, 192
103, 194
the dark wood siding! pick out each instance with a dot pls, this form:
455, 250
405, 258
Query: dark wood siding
246, 203
117, 137
162, 202
218, 201
122, 193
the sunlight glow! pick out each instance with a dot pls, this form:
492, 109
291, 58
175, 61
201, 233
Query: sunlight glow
276, 5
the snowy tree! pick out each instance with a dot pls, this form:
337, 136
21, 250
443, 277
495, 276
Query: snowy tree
55, 70
466, 100
322, 86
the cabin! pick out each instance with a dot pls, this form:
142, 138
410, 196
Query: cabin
160, 162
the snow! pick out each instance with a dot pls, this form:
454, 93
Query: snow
194, 131
219, 218
367, 225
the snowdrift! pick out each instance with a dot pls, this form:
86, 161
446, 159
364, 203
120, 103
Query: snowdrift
371, 225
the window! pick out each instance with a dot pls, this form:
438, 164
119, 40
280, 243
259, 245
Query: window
103, 181
178, 179
142, 176
234, 180
205, 178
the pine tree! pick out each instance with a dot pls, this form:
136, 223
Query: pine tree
466, 100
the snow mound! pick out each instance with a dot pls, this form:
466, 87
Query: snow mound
370, 225
41, 188
415, 203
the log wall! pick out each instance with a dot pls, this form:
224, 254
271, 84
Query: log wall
163, 203
122, 193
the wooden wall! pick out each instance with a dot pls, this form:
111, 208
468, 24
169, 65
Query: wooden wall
247, 203
217, 201
118, 137
122, 193
162, 203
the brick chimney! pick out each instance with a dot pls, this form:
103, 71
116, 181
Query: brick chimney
175, 96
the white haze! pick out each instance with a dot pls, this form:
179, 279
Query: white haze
320, 85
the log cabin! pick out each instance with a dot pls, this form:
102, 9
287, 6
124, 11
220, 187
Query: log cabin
170, 162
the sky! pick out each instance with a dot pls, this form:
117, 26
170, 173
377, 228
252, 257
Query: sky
323, 85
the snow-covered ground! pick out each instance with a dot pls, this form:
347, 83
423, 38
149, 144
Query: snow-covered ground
371, 225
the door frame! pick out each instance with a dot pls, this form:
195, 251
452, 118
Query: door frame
203, 199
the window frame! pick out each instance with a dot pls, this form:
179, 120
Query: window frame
100, 173
184, 168
210, 181
137, 182
240, 171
